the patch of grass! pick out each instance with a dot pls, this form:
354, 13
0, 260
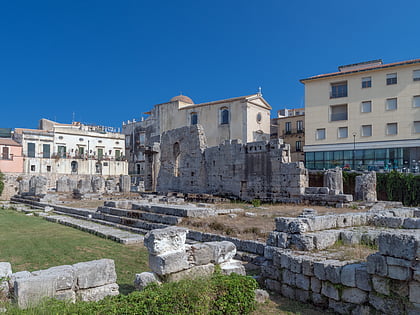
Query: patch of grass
351, 251
32, 243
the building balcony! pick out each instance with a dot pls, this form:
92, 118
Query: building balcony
293, 132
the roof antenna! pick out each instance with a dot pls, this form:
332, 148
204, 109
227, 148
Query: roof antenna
259, 91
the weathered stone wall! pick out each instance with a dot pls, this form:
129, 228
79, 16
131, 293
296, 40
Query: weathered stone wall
257, 170
85, 281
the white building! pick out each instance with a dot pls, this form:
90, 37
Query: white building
72, 149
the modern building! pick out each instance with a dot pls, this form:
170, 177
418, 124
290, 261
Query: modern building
290, 126
11, 159
72, 149
365, 116
246, 118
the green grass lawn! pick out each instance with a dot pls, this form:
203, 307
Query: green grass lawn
32, 243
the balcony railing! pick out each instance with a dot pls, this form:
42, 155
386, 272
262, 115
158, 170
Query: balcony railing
293, 131
80, 157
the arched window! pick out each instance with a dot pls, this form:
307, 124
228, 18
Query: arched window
224, 116
74, 167
194, 119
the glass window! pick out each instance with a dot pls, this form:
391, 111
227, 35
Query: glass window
338, 155
366, 107
298, 146
194, 118
142, 138
338, 112
416, 75
416, 101
319, 156
61, 151
31, 149
288, 127
309, 156
342, 132
348, 155
391, 104
417, 127
380, 153
320, 134
100, 152
366, 82
391, 129
299, 125
117, 153
391, 78
338, 89
81, 151
366, 130
370, 154
46, 151
224, 116
328, 155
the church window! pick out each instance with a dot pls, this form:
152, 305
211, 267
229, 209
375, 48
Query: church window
224, 116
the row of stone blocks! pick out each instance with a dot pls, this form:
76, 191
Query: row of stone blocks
171, 259
388, 282
85, 281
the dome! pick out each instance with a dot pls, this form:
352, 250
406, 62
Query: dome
182, 98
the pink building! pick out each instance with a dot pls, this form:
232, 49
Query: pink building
11, 159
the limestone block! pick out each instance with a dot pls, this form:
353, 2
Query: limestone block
325, 239
291, 225
289, 277
199, 254
302, 295
319, 269
169, 262
64, 276
411, 223
23, 186
38, 185
316, 285
340, 307
95, 273
125, 183
333, 271
269, 271
399, 273
98, 184
222, 251
192, 273
333, 179
5, 270
97, 293
26, 296
380, 285
363, 278
304, 242
350, 237
404, 246
233, 266
366, 187
416, 271
261, 296
385, 304
329, 290
307, 266
414, 292
141, 280
319, 299
288, 291
348, 275
362, 310
376, 264
269, 252
66, 295
273, 285
296, 264
169, 239
302, 281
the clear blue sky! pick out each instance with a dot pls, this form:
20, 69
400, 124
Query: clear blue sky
109, 61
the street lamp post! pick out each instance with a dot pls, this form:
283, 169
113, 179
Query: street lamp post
354, 148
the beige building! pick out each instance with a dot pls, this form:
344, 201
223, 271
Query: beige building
365, 116
76, 149
246, 118
290, 126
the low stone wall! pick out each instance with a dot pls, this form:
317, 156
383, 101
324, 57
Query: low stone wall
387, 282
170, 259
85, 281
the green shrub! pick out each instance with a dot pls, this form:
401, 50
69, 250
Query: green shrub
256, 203
217, 295
1, 182
396, 186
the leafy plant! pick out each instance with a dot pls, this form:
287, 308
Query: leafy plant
256, 203
1, 182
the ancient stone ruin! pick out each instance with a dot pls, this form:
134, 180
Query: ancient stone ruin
171, 259
85, 281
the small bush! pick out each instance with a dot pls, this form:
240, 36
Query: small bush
1, 182
256, 203
217, 295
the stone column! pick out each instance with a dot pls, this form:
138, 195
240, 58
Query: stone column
365, 189
333, 179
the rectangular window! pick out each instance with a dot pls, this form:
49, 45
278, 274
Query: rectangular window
32, 168
100, 153
299, 126
416, 101
366, 107
81, 151
117, 153
61, 150
416, 75
366, 82
342, 132
391, 129
142, 138
46, 151
288, 127
366, 130
391, 104
194, 118
338, 112
31, 149
338, 89
48, 168
320, 134
391, 78
298, 146
417, 127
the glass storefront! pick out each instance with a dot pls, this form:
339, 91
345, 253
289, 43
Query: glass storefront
380, 160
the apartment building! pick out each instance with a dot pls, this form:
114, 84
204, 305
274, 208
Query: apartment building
290, 126
365, 116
